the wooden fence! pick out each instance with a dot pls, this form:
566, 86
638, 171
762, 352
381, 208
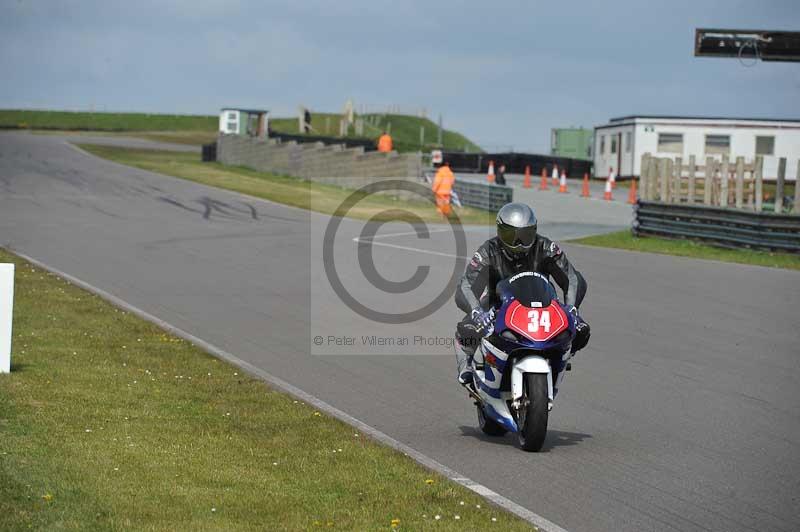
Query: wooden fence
720, 183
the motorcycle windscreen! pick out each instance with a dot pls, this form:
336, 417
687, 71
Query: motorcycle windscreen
529, 288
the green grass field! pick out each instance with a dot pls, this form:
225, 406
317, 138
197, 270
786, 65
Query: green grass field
200, 129
81, 120
109, 423
689, 248
281, 189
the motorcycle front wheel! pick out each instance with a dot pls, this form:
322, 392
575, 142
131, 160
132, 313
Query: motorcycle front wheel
532, 416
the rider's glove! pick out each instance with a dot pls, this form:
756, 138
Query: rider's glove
483, 320
582, 331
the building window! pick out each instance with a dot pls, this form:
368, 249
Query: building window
233, 126
765, 145
718, 144
602, 144
670, 142
628, 142
232, 115
613, 144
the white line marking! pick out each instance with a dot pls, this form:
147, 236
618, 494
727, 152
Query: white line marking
407, 248
371, 240
406, 233
507, 504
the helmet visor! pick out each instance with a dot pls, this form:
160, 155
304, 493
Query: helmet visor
517, 237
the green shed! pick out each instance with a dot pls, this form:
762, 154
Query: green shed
574, 142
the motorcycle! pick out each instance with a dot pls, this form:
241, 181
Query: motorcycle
521, 362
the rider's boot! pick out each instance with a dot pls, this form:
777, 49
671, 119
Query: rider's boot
467, 339
467, 372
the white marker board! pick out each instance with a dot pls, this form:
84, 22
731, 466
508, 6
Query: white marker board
6, 311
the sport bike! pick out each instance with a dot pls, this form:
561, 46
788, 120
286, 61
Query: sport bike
521, 362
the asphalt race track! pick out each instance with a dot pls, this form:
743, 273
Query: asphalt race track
683, 413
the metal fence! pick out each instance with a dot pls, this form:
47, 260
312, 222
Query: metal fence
718, 226
483, 196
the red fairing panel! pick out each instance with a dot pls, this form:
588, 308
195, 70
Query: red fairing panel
538, 324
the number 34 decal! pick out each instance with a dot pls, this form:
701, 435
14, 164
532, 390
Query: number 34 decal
538, 319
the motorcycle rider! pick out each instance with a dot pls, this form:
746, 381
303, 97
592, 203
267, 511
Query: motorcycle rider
516, 248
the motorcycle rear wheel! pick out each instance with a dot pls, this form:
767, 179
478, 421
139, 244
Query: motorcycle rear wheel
489, 426
533, 426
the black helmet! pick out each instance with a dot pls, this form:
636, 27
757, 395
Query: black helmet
516, 227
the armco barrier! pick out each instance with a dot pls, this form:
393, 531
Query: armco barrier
718, 226
483, 196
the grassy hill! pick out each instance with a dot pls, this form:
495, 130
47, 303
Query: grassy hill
405, 130
196, 129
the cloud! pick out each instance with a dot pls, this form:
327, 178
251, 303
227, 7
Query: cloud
502, 73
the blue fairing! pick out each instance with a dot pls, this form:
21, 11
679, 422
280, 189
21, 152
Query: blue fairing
490, 391
506, 422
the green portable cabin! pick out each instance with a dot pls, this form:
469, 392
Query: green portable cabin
575, 143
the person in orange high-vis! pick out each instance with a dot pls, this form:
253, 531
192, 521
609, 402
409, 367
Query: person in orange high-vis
385, 143
443, 188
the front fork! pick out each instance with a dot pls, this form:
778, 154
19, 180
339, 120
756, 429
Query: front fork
532, 364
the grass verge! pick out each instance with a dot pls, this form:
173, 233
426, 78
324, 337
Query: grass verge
690, 248
281, 189
189, 137
106, 423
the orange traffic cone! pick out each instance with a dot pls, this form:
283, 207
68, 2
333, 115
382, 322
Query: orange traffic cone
607, 193
543, 184
555, 175
585, 193
527, 182
613, 178
563, 186
632, 192
490, 175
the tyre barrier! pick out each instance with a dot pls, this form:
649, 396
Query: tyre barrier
718, 226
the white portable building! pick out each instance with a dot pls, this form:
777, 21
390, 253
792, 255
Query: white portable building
252, 122
620, 144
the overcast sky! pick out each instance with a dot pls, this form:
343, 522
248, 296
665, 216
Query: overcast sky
503, 73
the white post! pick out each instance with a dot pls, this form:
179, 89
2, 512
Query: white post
6, 311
